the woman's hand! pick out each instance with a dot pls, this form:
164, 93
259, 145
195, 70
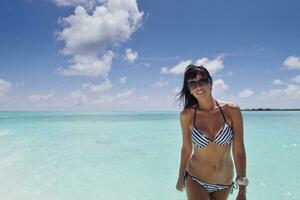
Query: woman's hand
179, 185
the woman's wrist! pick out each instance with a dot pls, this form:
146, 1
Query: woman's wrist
242, 180
242, 188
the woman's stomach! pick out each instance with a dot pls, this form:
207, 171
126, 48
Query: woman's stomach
212, 165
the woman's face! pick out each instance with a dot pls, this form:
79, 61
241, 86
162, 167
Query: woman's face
200, 89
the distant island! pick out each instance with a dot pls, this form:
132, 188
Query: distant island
271, 109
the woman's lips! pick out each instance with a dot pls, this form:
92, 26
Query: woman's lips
200, 92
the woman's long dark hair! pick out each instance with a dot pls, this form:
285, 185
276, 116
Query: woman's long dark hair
191, 71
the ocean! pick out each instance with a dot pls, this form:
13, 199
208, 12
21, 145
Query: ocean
132, 155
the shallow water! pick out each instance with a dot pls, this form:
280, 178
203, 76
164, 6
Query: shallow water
132, 155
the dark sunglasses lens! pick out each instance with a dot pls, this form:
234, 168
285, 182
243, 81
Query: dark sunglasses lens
204, 81
194, 84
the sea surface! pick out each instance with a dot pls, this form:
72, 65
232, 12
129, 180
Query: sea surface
132, 155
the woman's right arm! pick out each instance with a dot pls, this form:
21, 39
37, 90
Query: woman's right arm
187, 148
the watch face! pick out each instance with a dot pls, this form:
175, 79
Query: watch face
242, 181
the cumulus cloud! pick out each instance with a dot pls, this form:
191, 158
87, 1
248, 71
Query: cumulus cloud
40, 97
123, 80
177, 69
146, 98
292, 62
126, 93
131, 55
296, 79
104, 99
88, 37
109, 24
272, 93
78, 97
219, 86
212, 65
246, 93
5, 86
291, 91
107, 98
89, 4
86, 65
105, 86
278, 82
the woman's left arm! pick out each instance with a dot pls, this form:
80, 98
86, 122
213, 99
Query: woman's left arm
239, 152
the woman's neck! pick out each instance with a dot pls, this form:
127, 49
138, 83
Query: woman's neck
207, 104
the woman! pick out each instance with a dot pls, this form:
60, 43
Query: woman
209, 129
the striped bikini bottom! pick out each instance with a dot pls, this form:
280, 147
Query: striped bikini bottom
209, 187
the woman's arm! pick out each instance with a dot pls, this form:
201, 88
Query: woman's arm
239, 152
186, 149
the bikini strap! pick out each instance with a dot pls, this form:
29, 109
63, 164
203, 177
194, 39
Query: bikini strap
195, 114
221, 111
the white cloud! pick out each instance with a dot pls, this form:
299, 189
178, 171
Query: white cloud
296, 79
177, 69
219, 86
164, 70
40, 97
5, 86
107, 98
161, 82
126, 93
278, 82
212, 65
246, 93
105, 86
291, 91
123, 80
89, 4
146, 98
292, 62
272, 93
78, 97
88, 37
131, 55
104, 99
85, 65
110, 23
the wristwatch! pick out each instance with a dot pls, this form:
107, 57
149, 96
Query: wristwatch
242, 180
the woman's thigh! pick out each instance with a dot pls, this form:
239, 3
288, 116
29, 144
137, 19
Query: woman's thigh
220, 195
195, 191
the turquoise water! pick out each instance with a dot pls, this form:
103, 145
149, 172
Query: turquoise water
132, 156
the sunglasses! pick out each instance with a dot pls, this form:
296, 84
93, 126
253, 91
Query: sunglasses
201, 82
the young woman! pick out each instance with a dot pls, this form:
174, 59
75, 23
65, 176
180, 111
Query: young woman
209, 129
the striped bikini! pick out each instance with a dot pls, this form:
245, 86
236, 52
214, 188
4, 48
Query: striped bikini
200, 140
223, 136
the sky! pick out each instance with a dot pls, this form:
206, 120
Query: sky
130, 55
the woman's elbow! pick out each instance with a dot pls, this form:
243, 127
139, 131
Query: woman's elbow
240, 155
186, 150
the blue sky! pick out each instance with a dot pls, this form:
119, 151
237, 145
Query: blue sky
113, 55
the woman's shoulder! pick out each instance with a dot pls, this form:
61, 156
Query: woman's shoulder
229, 106
187, 112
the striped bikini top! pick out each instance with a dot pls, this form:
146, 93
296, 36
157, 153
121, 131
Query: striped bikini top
223, 136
